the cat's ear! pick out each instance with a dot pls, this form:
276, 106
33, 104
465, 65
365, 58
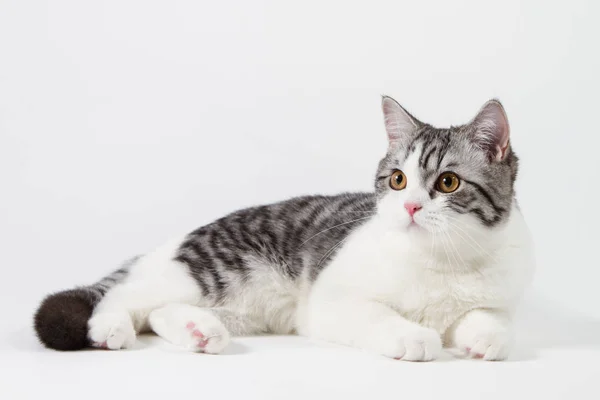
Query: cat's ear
491, 131
399, 124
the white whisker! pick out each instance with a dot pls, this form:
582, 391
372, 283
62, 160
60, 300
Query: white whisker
481, 250
331, 250
448, 257
333, 227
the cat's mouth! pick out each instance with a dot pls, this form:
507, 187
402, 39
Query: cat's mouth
418, 227
414, 225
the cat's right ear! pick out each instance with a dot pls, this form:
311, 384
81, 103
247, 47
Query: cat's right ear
399, 124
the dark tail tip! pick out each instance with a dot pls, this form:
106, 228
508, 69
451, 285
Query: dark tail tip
61, 321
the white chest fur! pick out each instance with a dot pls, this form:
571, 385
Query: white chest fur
436, 298
429, 287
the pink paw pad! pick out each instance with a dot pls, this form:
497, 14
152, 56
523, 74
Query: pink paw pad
202, 340
474, 355
197, 333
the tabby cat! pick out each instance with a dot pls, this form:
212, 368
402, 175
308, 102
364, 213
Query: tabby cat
437, 256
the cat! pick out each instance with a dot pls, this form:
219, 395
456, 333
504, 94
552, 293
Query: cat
437, 256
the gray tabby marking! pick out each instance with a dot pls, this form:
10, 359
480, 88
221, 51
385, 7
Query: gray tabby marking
285, 234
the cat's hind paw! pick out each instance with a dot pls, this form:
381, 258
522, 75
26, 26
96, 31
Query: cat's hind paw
212, 342
193, 328
111, 331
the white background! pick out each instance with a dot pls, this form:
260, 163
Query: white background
124, 123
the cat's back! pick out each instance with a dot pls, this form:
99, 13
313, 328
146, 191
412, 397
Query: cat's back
289, 235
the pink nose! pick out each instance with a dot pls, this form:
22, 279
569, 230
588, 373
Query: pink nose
412, 208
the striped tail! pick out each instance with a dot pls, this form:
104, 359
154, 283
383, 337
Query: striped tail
61, 321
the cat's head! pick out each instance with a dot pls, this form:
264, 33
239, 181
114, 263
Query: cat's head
458, 180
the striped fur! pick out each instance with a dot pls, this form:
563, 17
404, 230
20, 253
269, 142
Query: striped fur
296, 236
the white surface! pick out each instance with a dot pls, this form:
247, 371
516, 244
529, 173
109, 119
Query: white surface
123, 123
557, 358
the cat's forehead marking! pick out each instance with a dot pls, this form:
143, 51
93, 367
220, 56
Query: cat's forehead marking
411, 167
428, 154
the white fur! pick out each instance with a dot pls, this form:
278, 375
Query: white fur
398, 290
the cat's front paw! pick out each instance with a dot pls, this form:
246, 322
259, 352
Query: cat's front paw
490, 346
482, 334
414, 343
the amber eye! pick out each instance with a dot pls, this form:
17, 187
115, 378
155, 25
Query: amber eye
398, 180
448, 182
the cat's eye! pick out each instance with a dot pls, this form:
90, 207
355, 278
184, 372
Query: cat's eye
448, 182
398, 180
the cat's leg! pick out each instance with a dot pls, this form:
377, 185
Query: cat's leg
153, 281
200, 329
482, 333
371, 326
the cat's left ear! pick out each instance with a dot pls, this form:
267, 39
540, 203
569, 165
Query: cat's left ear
491, 130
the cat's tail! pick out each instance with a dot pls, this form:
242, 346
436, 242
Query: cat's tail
61, 321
